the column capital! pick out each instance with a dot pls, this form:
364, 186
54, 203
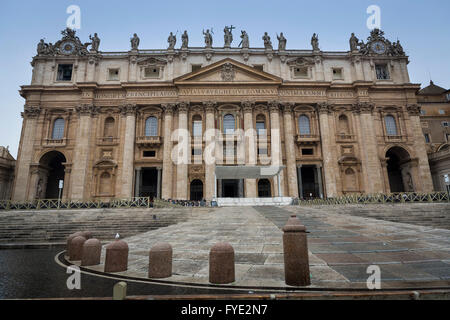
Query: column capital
128, 109
323, 107
248, 106
363, 107
86, 109
210, 106
31, 111
288, 107
183, 106
413, 109
168, 108
274, 106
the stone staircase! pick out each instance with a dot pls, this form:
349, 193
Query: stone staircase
53, 226
254, 202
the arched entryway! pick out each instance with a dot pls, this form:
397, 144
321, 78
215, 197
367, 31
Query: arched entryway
52, 165
399, 170
196, 190
264, 190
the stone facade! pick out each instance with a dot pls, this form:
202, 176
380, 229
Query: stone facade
109, 124
435, 121
7, 164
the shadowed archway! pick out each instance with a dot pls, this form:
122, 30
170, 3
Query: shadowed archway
399, 170
48, 184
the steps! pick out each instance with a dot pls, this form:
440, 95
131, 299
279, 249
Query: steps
254, 202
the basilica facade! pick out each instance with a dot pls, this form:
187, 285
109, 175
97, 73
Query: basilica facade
106, 125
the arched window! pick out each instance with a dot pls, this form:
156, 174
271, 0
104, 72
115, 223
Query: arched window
197, 126
109, 127
229, 124
58, 129
304, 126
105, 183
391, 126
151, 127
261, 125
343, 125
196, 190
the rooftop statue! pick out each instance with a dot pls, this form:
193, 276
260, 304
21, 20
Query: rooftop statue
135, 42
281, 42
95, 42
245, 43
228, 36
354, 42
315, 42
267, 42
184, 40
172, 40
208, 38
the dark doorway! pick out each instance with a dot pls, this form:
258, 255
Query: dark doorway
264, 190
397, 159
149, 185
196, 190
230, 188
309, 183
54, 162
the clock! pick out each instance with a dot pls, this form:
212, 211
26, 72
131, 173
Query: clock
379, 47
67, 47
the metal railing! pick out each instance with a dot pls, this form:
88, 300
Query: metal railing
47, 204
412, 197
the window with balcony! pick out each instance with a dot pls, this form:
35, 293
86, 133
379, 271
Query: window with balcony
261, 130
108, 131
229, 124
151, 127
58, 129
64, 72
382, 72
304, 126
197, 126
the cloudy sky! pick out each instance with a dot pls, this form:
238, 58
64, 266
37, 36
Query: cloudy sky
422, 27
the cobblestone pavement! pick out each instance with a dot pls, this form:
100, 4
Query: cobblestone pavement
341, 247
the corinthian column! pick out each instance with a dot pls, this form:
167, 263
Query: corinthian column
291, 168
129, 111
167, 173
82, 154
327, 153
209, 154
426, 183
275, 144
25, 156
250, 147
183, 152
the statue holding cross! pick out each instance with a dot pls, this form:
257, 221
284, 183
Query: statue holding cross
228, 36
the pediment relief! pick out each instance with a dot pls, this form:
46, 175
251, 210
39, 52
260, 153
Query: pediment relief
300, 62
106, 164
228, 71
151, 61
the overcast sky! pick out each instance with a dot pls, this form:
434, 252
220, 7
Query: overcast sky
422, 27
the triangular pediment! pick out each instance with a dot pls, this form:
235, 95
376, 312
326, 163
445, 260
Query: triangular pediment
228, 71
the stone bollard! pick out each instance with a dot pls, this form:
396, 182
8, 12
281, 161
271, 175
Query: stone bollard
92, 250
76, 248
295, 247
160, 261
116, 256
221, 264
120, 291
87, 234
69, 241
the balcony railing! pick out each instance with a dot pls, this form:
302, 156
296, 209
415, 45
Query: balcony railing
149, 140
50, 143
345, 137
394, 138
307, 139
107, 141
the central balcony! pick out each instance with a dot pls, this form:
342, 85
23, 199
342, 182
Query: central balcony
307, 139
147, 141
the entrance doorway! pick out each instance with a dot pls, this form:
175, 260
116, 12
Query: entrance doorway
149, 184
48, 188
196, 190
264, 190
399, 170
230, 188
308, 182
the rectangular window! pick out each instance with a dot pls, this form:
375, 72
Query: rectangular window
301, 72
149, 154
261, 129
307, 152
197, 129
445, 124
427, 138
259, 67
151, 72
337, 74
196, 152
262, 151
64, 72
113, 74
196, 67
382, 72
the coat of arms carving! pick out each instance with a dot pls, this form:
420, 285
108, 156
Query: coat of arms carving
228, 73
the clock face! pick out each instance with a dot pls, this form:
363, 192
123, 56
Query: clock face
378, 47
67, 47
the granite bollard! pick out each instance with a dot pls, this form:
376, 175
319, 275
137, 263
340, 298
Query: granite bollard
160, 261
295, 247
92, 250
221, 264
69, 242
77, 248
116, 259
87, 234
